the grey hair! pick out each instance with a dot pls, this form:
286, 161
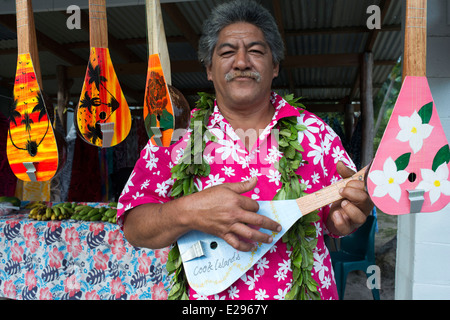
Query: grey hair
239, 11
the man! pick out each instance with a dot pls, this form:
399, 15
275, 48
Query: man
241, 49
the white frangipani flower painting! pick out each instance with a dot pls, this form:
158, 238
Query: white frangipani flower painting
388, 180
413, 130
435, 182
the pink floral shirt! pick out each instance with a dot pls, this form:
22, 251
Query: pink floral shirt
270, 277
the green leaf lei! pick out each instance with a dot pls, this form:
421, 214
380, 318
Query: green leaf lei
300, 238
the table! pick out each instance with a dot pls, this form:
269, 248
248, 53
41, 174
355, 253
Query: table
69, 259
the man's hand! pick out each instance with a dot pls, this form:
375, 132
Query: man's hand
350, 213
222, 211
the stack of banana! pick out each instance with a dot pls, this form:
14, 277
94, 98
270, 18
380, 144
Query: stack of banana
72, 210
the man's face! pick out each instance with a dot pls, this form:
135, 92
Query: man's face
242, 69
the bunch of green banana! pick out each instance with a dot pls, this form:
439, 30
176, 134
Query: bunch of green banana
88, 213
42, 212
34, 204
39, 212
63, 210
72, 210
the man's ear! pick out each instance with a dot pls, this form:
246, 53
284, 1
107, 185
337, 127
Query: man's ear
276, 70
209, 73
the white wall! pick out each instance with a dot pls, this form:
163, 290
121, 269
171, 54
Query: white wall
423, 239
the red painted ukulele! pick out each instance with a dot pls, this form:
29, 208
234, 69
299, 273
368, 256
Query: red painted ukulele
165, 108
102, 116
31, 147
410, 171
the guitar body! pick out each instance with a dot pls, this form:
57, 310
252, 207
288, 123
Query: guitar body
102, 103
165, 107
102, 117
413, 154
212, 265
221, 265
410, 171
32, 149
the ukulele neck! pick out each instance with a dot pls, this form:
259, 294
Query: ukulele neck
98, 26
156, 35
26, 34
327, 195
415, 49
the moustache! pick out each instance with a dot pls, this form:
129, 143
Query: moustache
246, 74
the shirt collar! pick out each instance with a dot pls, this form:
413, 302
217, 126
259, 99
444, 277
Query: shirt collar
282, 110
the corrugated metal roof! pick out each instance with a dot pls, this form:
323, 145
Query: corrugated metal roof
127, 23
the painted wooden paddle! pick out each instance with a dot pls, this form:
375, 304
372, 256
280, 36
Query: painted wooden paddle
32, 149
102, 115
410, 171
212, 265
165, 108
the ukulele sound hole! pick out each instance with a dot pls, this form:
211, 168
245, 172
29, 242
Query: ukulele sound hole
412, 177
213, 245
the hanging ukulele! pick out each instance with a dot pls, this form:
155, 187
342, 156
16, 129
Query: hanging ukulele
165, 108
31, 147
410, 171
102, 115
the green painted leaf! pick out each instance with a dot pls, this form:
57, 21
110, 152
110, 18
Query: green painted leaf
443, 155
166, 120
403, 161
425, 112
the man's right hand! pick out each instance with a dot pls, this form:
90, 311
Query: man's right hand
222, 211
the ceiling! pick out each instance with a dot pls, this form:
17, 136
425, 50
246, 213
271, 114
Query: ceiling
324, 39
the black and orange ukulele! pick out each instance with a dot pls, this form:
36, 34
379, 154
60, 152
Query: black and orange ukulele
102, 116
32, 149
165, 108
410, 171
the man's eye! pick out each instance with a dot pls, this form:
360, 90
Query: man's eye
226, 53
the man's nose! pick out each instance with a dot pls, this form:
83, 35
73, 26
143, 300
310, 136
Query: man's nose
242, 61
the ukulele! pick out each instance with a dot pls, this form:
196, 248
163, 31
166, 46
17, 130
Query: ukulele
102, 115
212, 265
32, 149
165, 108
410, 170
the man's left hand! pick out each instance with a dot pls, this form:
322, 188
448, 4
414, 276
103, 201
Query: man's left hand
350, 213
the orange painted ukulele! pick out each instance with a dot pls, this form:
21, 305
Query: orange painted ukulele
102, 116
410, 171
165, 108
31, 147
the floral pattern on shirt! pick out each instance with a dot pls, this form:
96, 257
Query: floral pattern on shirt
230, 161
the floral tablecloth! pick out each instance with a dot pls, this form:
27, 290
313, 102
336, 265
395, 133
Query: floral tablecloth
71, 259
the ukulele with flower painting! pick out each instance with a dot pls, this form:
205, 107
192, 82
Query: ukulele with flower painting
410, 171
165, 107
102, 116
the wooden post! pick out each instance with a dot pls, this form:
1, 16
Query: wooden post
349, 121
367, 115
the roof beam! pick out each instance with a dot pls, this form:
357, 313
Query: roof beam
385, 4
322, 60
182, 23
9, 21
339, 30
374, 33
113, 43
